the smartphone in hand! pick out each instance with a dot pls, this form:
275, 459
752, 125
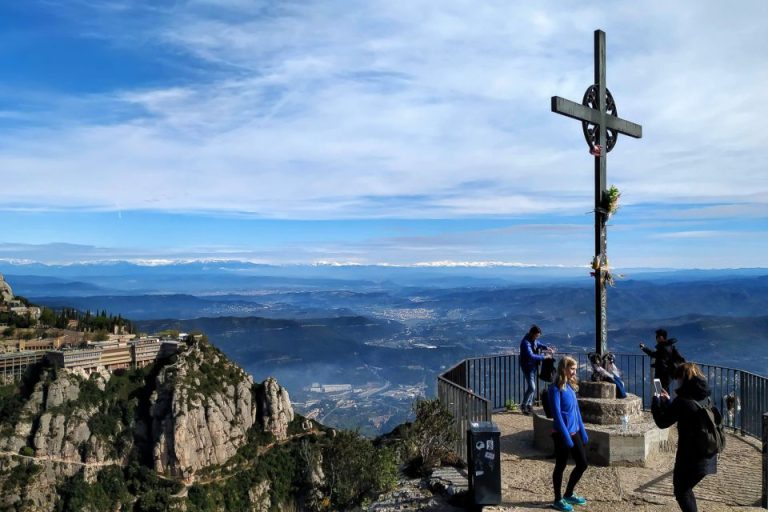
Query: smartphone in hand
657, 389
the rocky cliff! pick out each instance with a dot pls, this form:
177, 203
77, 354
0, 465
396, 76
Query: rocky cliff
179, 417
6, 294
203, 408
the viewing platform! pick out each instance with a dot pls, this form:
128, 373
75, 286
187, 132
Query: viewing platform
527, 476
486, 389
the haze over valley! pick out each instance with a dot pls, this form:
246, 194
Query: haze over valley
356, 345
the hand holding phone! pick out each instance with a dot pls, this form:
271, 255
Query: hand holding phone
657, 389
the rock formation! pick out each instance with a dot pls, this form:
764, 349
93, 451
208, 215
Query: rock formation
53, 434
198, 411
6, 294
275, 410
201, 412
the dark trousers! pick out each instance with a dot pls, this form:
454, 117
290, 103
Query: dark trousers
683, 482
561, 460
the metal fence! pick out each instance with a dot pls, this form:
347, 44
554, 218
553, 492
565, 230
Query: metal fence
477, 386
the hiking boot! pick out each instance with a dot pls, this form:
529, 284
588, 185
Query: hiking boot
562, 505
575, 499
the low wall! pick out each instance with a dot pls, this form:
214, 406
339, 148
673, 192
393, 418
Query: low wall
608, 444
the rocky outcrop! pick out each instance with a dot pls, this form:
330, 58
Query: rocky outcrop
55, 425
258, 495
6, 294
53, 435
203, 408
194, 413
275, 410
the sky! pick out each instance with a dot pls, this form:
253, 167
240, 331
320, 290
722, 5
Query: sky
378, 132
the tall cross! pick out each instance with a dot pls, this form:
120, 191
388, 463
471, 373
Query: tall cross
601, 125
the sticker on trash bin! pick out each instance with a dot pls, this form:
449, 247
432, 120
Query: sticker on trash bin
490, 455
479, 445
479, 472
488, 445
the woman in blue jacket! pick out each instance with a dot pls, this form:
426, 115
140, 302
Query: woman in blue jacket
568, 433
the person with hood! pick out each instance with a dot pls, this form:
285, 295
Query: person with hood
568, 434
531, 354
666, 357
691, 465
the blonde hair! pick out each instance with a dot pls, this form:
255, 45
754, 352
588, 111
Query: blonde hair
562, 378
688, 371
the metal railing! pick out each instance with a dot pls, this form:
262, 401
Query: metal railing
477, 386
465, 405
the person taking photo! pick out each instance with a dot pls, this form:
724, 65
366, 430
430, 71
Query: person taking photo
691, 464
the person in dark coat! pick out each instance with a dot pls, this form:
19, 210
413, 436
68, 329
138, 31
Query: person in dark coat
531, 354
690, 464
665, 357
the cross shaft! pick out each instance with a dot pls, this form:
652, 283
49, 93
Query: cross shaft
599, 116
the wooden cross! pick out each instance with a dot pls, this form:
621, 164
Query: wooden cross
601, 125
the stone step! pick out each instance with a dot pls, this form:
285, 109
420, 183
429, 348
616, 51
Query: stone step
589, 389
609, 411
610, 444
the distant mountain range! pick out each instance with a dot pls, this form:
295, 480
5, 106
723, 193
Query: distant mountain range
393, 326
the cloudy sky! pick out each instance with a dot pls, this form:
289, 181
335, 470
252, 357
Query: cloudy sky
378, 131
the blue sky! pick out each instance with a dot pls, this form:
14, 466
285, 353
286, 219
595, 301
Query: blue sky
378, 132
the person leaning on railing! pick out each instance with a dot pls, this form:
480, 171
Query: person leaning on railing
691, 465
531, 354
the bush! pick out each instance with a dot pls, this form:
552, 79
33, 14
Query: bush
431, 436
353, 468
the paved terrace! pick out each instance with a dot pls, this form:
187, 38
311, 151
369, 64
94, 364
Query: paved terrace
527, 476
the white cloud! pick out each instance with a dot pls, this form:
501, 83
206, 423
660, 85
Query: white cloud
325, 109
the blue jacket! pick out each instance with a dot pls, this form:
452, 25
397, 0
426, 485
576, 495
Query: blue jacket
529, 360
566, 416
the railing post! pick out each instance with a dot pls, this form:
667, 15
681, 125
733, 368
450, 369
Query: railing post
746, 401
765, 461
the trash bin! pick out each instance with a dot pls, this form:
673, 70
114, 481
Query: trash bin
484, 463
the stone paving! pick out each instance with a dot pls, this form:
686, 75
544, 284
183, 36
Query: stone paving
527, 476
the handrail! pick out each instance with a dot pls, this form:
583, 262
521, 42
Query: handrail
465, 405
477, 386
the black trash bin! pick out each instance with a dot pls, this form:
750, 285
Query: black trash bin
484, 463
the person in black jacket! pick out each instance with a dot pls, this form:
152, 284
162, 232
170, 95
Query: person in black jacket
690, 464
665, 358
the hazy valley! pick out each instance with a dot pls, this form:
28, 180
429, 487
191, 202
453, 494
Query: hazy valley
383, 334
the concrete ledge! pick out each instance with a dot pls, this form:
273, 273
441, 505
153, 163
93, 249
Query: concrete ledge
608, 445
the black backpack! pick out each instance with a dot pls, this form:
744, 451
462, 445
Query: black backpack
547, 371
709, 437
675, 358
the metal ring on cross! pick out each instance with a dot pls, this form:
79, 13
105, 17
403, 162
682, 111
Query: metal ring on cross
591, 130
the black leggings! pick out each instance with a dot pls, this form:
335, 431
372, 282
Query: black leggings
683, 483
561, 460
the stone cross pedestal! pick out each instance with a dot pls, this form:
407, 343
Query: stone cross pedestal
610, 442
599, 405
